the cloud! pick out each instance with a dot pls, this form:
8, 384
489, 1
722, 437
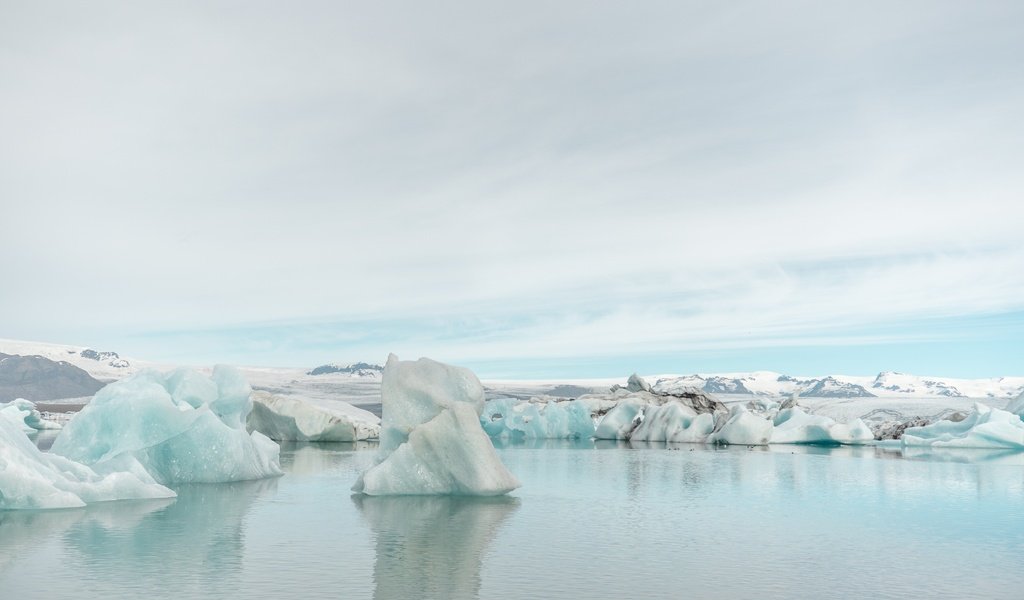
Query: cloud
507, 180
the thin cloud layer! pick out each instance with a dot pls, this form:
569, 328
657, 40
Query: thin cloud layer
506, 180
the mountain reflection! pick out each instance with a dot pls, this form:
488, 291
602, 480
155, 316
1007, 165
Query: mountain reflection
431, 546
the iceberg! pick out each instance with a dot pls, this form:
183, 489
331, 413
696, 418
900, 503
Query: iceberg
619, 422
794, 426
1016, 406
180, 427
431, 440
984, 427
301, 419
522, 419
24, 414
744, 428
673, 422
31, 479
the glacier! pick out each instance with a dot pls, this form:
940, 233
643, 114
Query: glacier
31, 479
24, 414
514, 419
180, 427
431, 440
301, 419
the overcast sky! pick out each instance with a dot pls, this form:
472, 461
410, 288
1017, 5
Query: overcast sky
529, 188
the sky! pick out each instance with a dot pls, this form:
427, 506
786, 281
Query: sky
532, 189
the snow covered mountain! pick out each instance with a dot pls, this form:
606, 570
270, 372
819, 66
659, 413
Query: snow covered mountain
888, 384
359, 382
359, 369
103, 365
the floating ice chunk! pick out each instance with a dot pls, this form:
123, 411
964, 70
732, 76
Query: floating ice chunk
673, 422
984, 427
30, 479
180, 427
743, 427
1016, 406
794, 426
520, 419
24, 414
300, 419
431, 438
620, 421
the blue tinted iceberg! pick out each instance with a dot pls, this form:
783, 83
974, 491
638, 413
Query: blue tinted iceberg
30, 479
431, 440
180, 427
24, 414
301, 419
984, 427
519, 419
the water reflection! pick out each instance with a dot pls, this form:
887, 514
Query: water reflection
189, 546
310, 458
21, 530
431, 546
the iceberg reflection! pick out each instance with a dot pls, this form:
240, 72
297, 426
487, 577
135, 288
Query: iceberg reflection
431, 546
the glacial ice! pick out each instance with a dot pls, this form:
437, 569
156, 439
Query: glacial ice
431, 440
673, 422
1016, 406
619, 422
984, 427
520, 419
794, 426
301, 419
24, 414
743, 427
180, 427
30, 479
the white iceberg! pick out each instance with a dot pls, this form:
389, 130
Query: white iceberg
794, 426
673, 422
431, 439
1016, 406
30, 479
301, 419
619, 422
743, 427
24, 414
984, 427
521, 419
180, 427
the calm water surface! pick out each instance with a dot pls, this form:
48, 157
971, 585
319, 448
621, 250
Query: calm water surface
589, 522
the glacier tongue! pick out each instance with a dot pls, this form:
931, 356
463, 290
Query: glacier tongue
180, 427
30, 479
431, 440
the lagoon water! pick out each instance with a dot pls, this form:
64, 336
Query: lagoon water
590, 521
